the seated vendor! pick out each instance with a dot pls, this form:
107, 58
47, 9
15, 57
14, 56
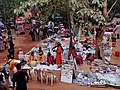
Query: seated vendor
31, 57
40, 55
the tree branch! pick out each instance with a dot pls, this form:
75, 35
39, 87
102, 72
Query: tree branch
111, 7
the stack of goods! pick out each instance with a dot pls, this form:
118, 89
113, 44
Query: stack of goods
105, 49
98, 62
99, 76
67, 71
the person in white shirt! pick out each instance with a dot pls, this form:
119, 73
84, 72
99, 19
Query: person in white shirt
37, 33
33, 22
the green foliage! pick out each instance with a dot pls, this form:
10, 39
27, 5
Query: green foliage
84, 11
7, 7
88, 12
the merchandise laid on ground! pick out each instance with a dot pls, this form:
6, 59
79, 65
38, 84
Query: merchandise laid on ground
101, 72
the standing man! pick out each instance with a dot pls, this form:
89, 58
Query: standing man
45, 31
11, 71
11, 50
37, 33
32, 33
9, 33
21, 78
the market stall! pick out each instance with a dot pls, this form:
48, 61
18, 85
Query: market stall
100, 73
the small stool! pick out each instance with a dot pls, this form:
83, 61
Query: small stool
37, 74
117, 53
41, 76
49, 77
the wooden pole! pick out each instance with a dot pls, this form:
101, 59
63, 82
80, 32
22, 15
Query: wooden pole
111, 8
69, 27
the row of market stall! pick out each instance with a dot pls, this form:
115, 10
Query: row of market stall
101, 71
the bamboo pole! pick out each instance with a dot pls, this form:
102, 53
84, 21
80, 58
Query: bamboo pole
111, 8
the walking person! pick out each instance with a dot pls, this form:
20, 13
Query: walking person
11, 50
9, 33
2, 47
11, 66
21, 78
32, 33
37, 33
45, 31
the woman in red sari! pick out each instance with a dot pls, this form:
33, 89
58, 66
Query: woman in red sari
58, 53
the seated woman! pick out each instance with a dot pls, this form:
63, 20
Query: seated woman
50, 58
31, 57
40, 55
73, 52
78, 58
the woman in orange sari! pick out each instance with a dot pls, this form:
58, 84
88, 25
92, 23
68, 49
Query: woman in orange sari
31, 57
40, 56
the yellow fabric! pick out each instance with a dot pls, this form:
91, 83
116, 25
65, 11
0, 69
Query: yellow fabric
30, 58
11, 67
40, 58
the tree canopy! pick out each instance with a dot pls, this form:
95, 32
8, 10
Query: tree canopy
7, 7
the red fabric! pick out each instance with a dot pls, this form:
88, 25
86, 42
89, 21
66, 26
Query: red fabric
117, 53
113, 44
91, 58
58, 55
79, 60
73, 52
50, 59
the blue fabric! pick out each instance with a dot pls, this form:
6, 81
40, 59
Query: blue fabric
6, 69
0, 31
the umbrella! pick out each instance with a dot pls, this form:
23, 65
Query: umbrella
1, 24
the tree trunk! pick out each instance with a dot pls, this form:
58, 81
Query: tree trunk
97, 50
98, 42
